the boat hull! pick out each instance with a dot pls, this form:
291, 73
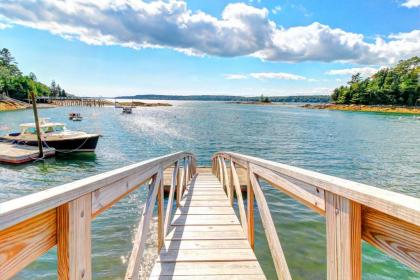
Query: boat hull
80, 144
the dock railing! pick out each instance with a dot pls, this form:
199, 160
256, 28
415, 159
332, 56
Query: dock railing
354, 212
31, 225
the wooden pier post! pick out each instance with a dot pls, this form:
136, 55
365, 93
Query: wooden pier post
38, 131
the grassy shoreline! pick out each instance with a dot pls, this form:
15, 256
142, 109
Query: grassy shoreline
366, 108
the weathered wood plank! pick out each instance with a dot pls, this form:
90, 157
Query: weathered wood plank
250, 209
205, 220
206, 255
213, 197
206, 244
397, 238
220, 228
205, 235
211, 277
205, 210
207, 268
74, 239
198, 203
344, 253
24, 242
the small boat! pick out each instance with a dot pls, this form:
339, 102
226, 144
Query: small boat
127, 110
54, 135
75, 117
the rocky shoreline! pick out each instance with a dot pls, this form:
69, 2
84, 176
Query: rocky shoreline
365, 108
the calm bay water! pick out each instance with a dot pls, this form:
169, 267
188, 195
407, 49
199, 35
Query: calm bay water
377, 149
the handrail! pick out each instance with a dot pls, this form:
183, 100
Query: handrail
33, 224
389, 221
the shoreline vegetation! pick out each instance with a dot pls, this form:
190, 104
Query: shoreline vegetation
366, 108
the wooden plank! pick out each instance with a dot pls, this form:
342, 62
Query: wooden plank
198, 203
207, 268
397, 238
74, 239
20, 209
398, 205
270, 230
168, 215
207, 228
205, 210
344, 253
241, 206
208, 255
211, 277
160, 213
24, 242
213, 197
306, 194
206, 244
105, 197
205, 235
141, 234
250, 209
205, 220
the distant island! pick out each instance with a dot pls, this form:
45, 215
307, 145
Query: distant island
390, 90
398, 85
298, 98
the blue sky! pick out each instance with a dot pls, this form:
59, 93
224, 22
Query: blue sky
126, 47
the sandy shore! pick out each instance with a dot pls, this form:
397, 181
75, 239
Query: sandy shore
366, 108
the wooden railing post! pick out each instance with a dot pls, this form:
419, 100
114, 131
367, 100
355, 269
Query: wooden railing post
270, 231
250, 208
171, 198
344, 253
161, 211
74, 239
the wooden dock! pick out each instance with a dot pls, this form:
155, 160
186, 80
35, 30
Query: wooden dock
16, 154
205, 239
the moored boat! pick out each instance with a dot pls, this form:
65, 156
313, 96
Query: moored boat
54, 135
75, 117
127, 110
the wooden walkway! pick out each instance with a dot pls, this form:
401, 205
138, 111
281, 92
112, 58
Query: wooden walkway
205, 239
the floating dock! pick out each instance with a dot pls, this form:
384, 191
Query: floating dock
17, 154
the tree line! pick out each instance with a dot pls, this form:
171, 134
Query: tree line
398, 85
16, 85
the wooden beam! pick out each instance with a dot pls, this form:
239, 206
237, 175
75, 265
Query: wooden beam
344, 253
141, 234
105, 197
397, 238
241, 206
250, 209
168, 214
24, 242
20, 209
404, 207
74, 239
311, 196
160, 217
270, 231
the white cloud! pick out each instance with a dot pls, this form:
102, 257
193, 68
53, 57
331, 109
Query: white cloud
241, 30
411, 3
364, 71
276, 9
4, 26
276, 75
235, 77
